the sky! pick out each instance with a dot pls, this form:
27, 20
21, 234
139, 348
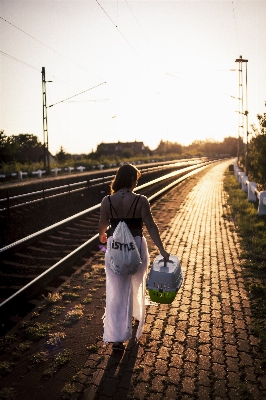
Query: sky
126, 70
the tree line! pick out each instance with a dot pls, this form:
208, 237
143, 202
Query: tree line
13, 147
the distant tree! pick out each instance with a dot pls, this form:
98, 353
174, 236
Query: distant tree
127, 152
168, 148
61, 156
257, 151
24, 140
12, 146
230, 146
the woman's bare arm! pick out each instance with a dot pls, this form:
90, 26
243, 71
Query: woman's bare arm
153, 230
103, 222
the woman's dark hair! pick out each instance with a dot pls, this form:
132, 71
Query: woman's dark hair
124, 177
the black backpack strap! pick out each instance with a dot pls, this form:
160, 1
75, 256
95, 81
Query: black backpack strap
131, 207
136, 205
111, 207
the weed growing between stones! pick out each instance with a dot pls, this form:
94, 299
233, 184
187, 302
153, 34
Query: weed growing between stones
73, 315
5, 368
52, 298
68, 390
55, 338
8, 394
39, 357
21, 348
37, 331
59, 360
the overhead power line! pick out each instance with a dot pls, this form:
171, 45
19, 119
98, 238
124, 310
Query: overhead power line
213, 90
121, 33
71, 97
236, 27
28, 65
20, 61
48, 47
143, 31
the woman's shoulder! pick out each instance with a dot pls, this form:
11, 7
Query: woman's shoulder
143, 199
105, 200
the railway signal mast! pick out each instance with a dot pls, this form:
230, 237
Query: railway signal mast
46, 158
241, 112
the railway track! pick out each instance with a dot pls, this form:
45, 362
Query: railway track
47, 256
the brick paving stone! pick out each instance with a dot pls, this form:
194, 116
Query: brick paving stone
217, 343
233, 379
139, 391
149, 358
204, 378
163, 352
176, 360
245, 358
220, 389
190, 355
168, 340
188, 385
189, 369
231, 350
218, 356
157, 384
173, 375
177, 348
171, 392
161, 367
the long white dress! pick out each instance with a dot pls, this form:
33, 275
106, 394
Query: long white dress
125, 297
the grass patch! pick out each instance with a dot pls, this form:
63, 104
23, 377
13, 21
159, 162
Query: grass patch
5, 368
39, 357
251, 230
57, 310
68, 390
8, 394
5, 342
73, 315
69, 296
52, 298
55, 338
93, 348
87, 299
60, 359
37, 331
21, 348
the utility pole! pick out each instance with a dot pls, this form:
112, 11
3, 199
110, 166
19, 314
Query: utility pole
46, 158
240, 60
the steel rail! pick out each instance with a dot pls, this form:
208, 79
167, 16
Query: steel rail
31, 288
101, 180
60, 224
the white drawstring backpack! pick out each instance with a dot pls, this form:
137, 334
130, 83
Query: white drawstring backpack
124, 255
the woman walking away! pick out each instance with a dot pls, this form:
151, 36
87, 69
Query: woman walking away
125, 294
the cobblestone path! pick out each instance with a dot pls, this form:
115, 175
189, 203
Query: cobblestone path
200, 346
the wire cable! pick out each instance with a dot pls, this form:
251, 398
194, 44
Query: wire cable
22, 62
143, 32
214, 90
121, 33
236, 27
61, 101
50, 48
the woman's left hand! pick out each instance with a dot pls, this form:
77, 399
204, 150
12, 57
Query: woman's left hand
165, 255
103, 238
